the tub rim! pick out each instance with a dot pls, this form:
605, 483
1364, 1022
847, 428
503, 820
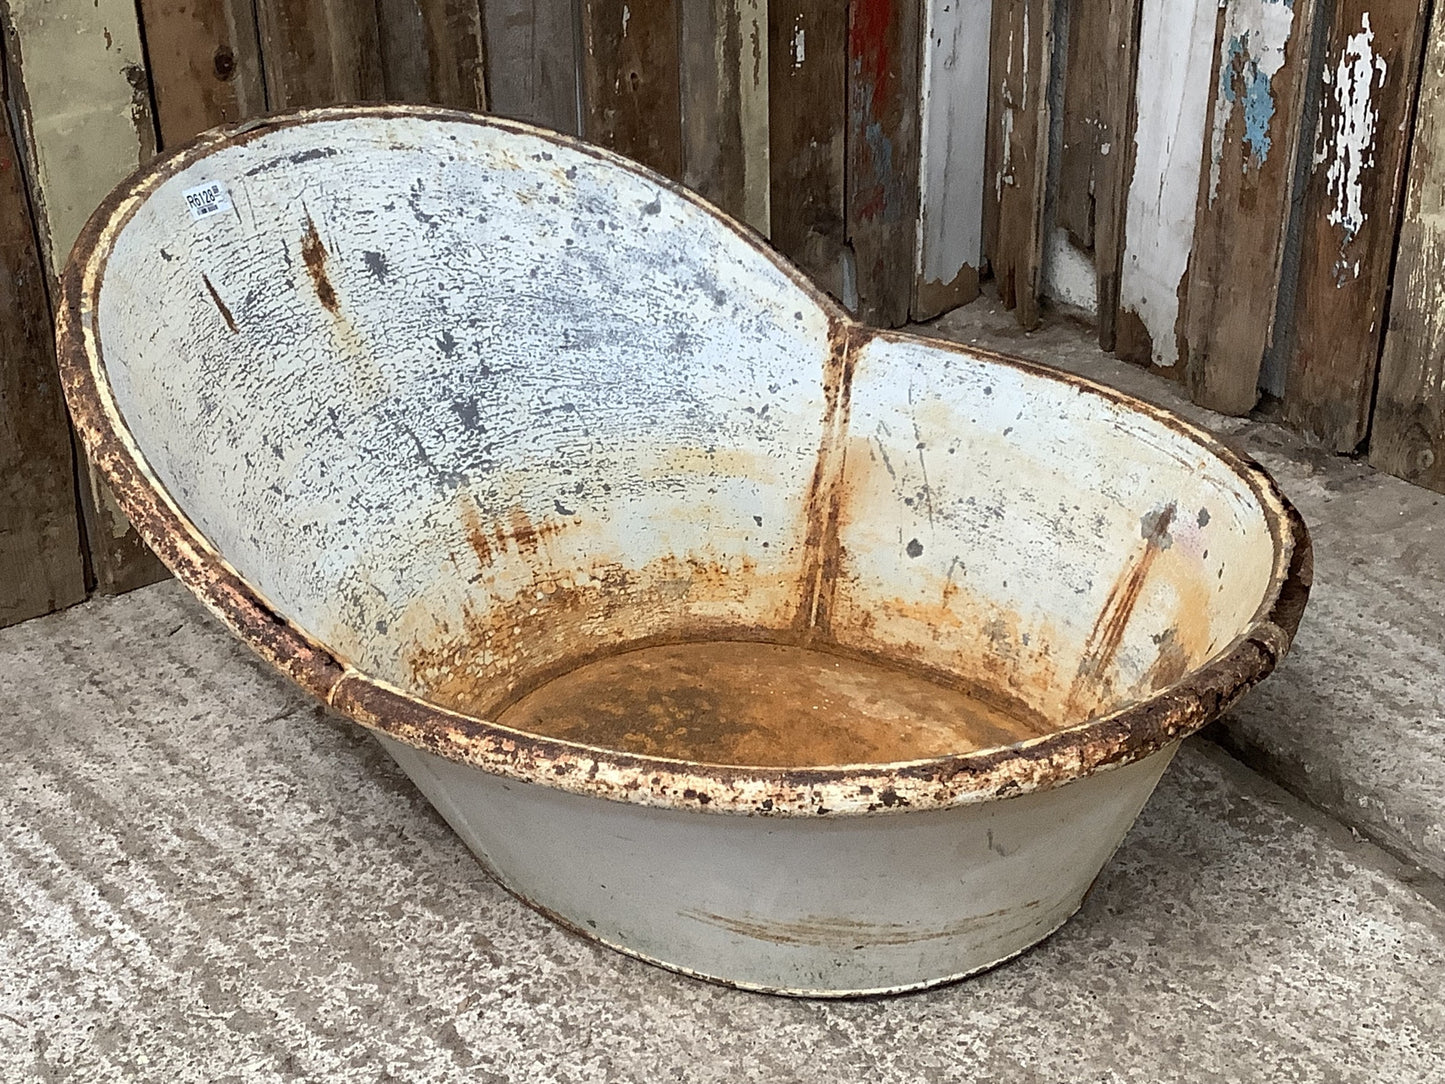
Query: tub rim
1123, 736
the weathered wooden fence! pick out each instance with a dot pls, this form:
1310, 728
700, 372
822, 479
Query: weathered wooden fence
1256, 188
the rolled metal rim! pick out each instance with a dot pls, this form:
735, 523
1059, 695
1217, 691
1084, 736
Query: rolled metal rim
1121, 737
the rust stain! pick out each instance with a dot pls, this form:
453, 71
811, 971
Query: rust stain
475, 530
220, 305
826, 931
1171, 664
313, 255
821, 547
1107, 635
500, 649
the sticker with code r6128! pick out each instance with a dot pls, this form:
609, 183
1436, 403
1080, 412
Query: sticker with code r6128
207, 199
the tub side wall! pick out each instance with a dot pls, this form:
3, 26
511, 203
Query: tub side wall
438, 392
829, 907
1072, 552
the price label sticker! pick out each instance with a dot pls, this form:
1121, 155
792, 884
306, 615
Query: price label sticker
207, 200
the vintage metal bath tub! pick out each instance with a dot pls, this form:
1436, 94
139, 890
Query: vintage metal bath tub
726, 631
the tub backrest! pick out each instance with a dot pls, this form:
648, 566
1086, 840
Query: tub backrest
425, 378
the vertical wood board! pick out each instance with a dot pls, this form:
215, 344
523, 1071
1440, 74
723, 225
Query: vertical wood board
1097, 125
712, 62
1350, 217
320, 52
631, 92
432, 52
1171, 103
1246, 183
954, 127
1408, 432
83, 103
807, 84
753, 106
533, 59
41, 568
1018, 150
881, 170
724, 105
205, 64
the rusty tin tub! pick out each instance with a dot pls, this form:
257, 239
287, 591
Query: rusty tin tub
443, 414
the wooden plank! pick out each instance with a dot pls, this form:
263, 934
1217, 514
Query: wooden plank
533, 59
951, 171
82, 102
711, 89
432, 52
1018, 150
1162, 165
320, 52
881, 171
205, 64
724, 91
753, 105
1350, 217
1408, 432
1097, 125
41, 566
1261, 59
631, 91
807, 112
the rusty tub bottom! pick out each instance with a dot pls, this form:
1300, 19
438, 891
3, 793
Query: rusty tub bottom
764, 704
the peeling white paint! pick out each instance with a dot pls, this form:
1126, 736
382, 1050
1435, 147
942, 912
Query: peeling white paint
954, 125
1176, 52
1068, 274
1251, 53
799, 50
626, 18
1345, 138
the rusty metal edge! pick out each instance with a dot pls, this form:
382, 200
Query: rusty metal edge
1123, 737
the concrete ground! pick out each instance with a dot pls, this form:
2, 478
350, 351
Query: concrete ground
204, 877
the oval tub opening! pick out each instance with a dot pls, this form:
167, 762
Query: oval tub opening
547, 443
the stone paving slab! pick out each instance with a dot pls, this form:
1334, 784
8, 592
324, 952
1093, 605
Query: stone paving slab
203, 877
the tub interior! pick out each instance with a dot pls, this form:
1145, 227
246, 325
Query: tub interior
474, 409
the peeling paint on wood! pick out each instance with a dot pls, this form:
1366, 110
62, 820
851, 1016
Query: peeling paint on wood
1244, 198
85, 120
808, 118
1171, 103
1021, 56
882, 165
533, 59
204, 61
1408, 431
631, 90
1350, 217
954, 125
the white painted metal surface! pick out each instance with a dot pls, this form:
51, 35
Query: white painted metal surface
442, 408
824, 907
